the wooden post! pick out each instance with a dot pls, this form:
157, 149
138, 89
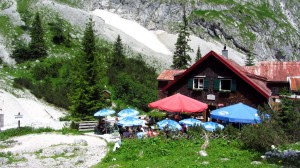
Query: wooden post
204, 115
19, 116
19, 122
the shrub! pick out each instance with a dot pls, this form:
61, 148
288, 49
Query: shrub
231, 132
261, 136
74, 125
21, 83
281, 127
65, 118
195, 131
289, 119
69, 130
47, 68
56, 95
21, 51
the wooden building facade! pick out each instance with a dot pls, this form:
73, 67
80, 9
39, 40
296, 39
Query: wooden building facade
216, 81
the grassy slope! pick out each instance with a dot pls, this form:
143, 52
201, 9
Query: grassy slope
161, 152
11, 32
8, 31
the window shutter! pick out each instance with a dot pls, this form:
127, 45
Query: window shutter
233, 85
190, 83
217, 84
206, 84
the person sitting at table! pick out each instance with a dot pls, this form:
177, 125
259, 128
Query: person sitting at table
155, 133
116, 126
97, 128
131, 130
150, 133
127, 133
167, 130
176, 117
140, 129
100, 128
183, 129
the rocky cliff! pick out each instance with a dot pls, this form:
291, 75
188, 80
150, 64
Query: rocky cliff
270, 29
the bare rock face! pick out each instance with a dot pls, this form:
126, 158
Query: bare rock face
154, 15
269, 29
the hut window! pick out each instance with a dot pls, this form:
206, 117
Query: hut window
198, 83
225, 84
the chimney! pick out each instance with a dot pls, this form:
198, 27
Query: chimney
225, 52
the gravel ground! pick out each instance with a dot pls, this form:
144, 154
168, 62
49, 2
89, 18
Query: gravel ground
53, 150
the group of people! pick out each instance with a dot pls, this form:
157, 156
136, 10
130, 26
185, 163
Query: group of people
104, 126
137, 131
148, 129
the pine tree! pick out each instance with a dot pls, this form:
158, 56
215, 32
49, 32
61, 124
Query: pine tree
198, 54
88, 77
118, 57
117, 61
37, 46
181, 58
249, 60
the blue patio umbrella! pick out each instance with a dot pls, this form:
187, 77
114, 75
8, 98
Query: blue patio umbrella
173, 125
239, 113
212, 126
129, 112
130, 121
190, 122
104, 112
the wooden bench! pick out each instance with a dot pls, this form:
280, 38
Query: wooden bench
87, 125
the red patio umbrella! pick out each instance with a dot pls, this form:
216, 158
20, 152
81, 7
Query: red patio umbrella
179, 103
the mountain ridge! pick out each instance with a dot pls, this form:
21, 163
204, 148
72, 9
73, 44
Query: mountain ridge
268, 29
211, 32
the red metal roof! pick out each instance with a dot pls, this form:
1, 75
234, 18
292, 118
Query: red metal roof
259, 85
275, 71
294, 83
169, 74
